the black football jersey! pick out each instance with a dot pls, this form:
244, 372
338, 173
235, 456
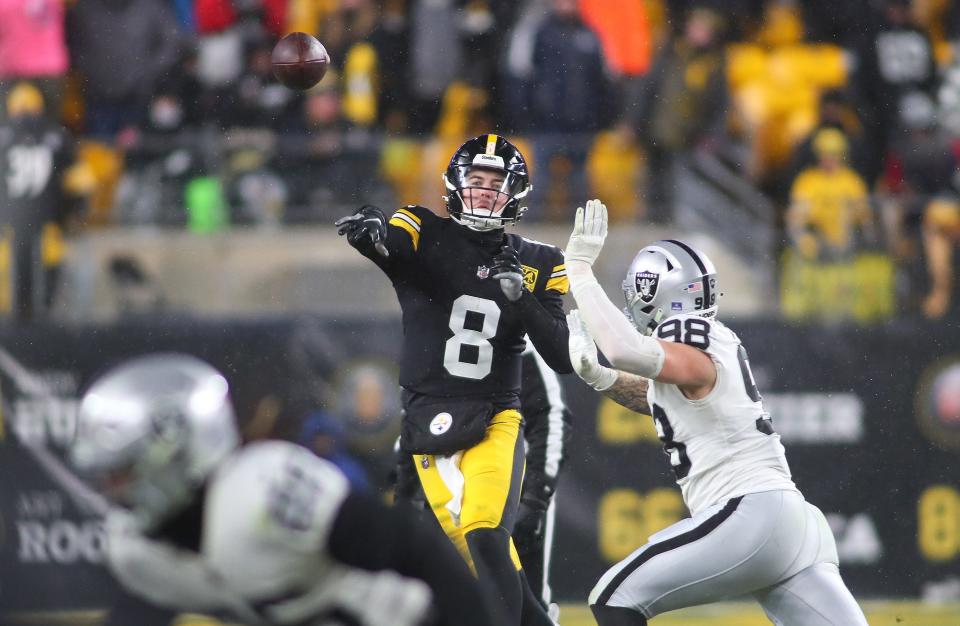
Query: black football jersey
462, 336
32, 158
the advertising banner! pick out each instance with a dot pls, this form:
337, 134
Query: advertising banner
870, 418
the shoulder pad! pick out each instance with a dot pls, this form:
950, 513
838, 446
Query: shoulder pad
410, 219
538, 259
278, 491
540, 244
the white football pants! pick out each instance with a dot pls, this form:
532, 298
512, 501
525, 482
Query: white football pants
773, 545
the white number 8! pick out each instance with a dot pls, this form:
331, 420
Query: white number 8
463, 336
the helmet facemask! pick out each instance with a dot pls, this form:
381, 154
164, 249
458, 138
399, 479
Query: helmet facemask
669, 278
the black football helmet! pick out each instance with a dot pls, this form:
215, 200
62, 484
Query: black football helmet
490, 152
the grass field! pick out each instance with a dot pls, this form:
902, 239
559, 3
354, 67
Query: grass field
879, 613
747, 614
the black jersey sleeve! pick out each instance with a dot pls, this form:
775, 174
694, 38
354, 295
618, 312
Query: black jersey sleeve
541, 303
404, 229
369, 535
546, 325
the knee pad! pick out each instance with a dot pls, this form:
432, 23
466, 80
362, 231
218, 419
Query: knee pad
489, 544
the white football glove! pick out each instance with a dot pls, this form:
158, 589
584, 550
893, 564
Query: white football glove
583, 355
589, 232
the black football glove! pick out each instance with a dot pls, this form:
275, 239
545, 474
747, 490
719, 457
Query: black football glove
531, 523
506, 268
367, 222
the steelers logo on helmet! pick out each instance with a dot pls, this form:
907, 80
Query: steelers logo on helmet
667, 278
486, 183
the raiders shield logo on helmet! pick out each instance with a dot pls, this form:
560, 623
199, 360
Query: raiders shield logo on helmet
647, 283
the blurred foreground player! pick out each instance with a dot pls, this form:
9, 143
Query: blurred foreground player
266, 534
469, 293
750, 530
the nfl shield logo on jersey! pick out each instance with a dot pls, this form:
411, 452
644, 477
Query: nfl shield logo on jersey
647, 283
482, 272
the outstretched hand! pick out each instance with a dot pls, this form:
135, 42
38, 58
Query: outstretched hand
367, 222
507, 269
589, 233
583, 355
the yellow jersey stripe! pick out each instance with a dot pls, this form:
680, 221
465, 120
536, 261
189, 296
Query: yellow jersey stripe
560, 267
407, 226
409, 214
403, 218
560, 284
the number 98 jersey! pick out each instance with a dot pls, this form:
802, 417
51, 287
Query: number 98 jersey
462, 336
723, 445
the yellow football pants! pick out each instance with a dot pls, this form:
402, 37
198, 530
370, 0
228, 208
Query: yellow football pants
492, 474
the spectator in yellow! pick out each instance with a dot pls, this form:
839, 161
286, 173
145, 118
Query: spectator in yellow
828, 203
941, 232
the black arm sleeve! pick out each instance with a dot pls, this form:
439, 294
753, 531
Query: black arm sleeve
547, 428
546, 326
371, 536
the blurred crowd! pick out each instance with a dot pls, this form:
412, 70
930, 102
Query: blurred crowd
845, 114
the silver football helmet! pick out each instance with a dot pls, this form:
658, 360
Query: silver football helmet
668, 278
151, 430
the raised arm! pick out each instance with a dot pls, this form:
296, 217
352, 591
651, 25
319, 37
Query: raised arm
626, 349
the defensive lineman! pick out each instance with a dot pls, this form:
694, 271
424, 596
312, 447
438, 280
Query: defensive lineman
750, 530
268, 534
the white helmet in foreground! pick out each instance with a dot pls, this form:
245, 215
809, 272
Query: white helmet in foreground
668, 278
151, 430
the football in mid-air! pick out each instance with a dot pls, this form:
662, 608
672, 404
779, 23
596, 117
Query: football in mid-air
299, 61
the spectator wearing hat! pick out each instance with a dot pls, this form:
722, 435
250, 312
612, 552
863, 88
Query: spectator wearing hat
36, 185
828, 203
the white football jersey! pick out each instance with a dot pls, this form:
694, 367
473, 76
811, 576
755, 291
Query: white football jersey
268, 514
722, 445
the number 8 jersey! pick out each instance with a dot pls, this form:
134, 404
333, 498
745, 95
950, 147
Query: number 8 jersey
722, 445
462, 337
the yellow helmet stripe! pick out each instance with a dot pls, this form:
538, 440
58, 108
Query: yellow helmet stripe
491, 144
